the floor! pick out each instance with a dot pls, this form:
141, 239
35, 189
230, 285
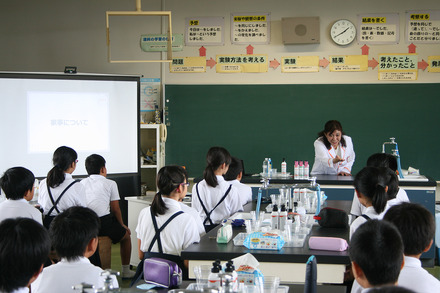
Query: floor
116, 266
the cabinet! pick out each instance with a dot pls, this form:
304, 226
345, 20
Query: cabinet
151, 139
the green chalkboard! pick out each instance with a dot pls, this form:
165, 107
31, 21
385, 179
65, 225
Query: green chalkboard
282, 121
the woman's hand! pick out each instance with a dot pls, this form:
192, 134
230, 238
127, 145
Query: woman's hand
338, 159
344, 174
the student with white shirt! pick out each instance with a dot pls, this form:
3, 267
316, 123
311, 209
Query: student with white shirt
74, 235
386, 161
234, 175
371, 189
376, 254
59, 191
24, 247
165, 220
18, 185
213, 197
103, 198
417, 228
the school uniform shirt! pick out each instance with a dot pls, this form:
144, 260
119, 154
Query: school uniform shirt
244, 191
416, 278
74, 196
370, 212
324, 157
210, 196
358, 209
20, 290
60, 277
15, 208
196, 216
181, 232
100, 191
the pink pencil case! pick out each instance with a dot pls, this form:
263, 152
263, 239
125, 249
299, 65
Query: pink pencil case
328, 243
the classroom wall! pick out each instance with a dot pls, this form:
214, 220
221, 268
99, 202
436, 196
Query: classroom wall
47, 35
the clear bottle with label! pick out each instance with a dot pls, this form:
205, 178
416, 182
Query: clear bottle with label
306, 170
275, 217
214, 280
284, 167
296, 171
230, 269
265, 166
282, 217
301, 170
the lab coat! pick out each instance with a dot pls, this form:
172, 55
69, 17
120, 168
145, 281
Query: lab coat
324, 158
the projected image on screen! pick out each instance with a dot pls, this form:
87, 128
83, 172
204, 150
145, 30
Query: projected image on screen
65, 118
93, 114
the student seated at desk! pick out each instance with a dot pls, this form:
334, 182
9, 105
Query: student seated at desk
376, 254
371, 188
18, 185
24, 247
163, 229
213, 197
417, 228
396, 194
233, 176
74, 235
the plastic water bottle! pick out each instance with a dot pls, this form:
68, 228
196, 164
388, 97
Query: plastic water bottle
214, 280
265, 167
296, 171
230, 269
301, 170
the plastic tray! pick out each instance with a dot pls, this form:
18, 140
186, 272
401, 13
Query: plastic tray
239, 239
195, 287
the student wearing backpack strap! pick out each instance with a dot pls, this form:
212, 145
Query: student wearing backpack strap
58, 191
163, 228
214, 197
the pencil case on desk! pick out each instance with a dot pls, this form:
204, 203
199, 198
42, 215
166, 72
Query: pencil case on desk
328, 243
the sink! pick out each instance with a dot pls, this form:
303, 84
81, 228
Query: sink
413, 178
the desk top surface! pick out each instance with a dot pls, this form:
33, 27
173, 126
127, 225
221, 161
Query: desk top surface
209, 249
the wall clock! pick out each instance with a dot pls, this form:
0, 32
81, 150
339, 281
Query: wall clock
343, 32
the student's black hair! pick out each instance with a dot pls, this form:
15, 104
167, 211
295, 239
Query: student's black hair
329, 127
376, 246
371, 182
391, 289
382, 160
94, 163
24, 247
392, 182
62, 159
72, 230
215, 157
416, 225
16, 181
168, 179
235, 168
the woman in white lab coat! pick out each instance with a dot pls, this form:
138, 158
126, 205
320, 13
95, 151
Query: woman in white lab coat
334, 153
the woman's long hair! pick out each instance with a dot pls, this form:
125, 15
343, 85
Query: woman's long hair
330, 127
63, 157
168, 179
216, 157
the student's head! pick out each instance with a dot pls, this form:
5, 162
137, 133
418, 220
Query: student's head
17, 182
392, 182
24, 247
371, 187
416, 225
169, 179
94, 164
382, 160
234, 170
217, 157
332, 128
64, 159
74, 232
376, 253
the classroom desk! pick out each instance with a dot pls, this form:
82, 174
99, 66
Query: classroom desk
287, 263
341, 188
